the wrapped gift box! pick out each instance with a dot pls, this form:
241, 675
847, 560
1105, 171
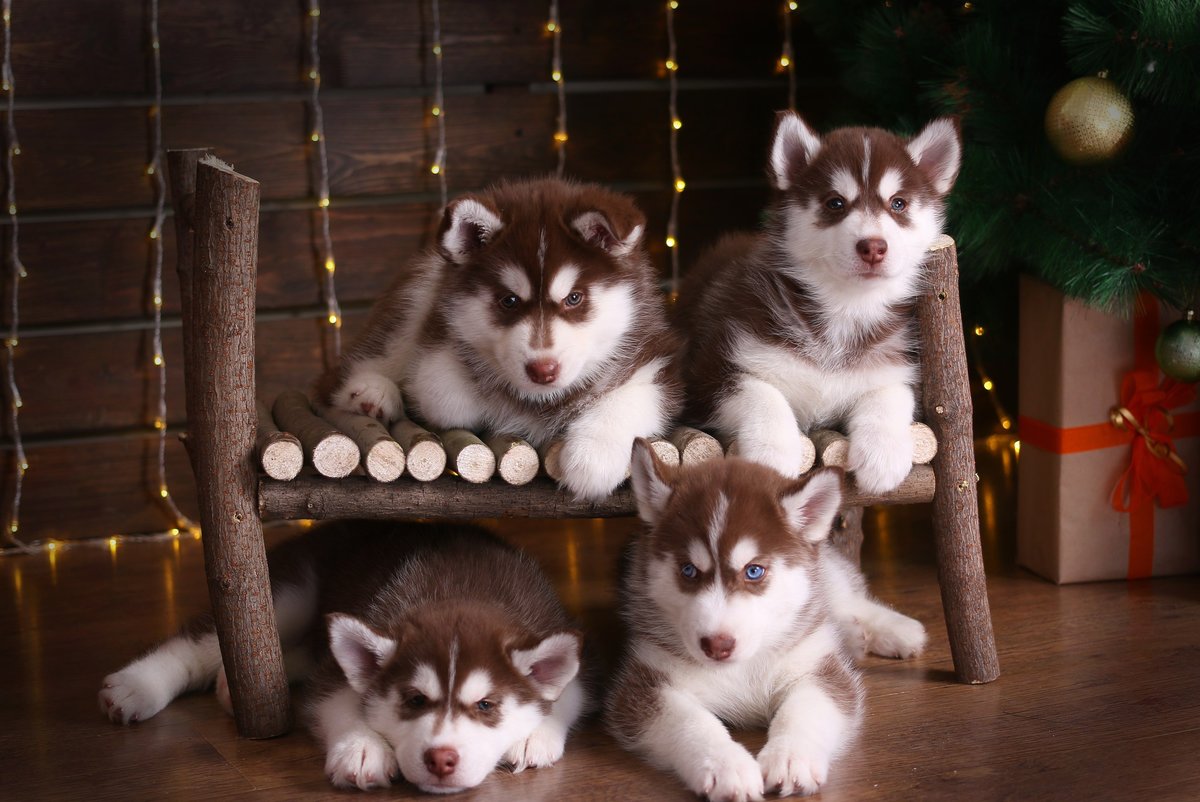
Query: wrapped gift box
1075, 365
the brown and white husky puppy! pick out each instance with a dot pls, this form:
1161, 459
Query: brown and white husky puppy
807, 323
440, 652
740, 612
537, 314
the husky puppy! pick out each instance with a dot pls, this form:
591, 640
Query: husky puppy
440, 651
537, 314
807, 323
740, 612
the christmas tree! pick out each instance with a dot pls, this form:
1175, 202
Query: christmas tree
1092, 184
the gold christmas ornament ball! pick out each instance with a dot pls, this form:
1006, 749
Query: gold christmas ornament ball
1089, 121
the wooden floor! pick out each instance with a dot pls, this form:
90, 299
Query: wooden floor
1100, 697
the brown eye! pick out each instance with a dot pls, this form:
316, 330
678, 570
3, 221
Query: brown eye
835, 204
899, 204
416, 701
509, 301
574, 299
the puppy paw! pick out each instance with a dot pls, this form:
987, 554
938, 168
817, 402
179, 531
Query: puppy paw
133, 694
880, 458
730, 775
369, 393
592, 467
787, 770
895, 635
361, 760
787, 451
542, 748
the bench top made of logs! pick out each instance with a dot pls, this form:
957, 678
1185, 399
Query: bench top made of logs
333, 465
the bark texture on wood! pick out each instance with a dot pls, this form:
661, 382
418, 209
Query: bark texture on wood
332, 453
468, 456
279, 453
181, 167
449, 497
424, 454
516, 461
695, 446
222, 442
551, 465
382, 457
947, 406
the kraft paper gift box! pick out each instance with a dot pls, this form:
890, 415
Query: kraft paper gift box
1096, 498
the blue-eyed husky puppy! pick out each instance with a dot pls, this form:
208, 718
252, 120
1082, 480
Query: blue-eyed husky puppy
740, 612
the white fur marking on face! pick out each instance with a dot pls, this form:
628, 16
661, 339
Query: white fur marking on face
453, 663
542, 248
716, 524
425, 680
889, 185
476, 686
513, 278
742, 553
866, 164
563, 282
699, 556
845, 185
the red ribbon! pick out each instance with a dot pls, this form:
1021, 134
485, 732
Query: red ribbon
1155, 473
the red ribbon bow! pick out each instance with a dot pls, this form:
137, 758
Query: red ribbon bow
1155, 472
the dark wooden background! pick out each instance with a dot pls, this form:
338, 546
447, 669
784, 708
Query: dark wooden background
234, 80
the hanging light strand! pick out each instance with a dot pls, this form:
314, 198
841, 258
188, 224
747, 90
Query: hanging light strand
12, 149
554, 26
333, 310
672, 69
155, 172
787, 61
438, 167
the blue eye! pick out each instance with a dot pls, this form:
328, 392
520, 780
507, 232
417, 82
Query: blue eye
755, 572
899, 204
485, 705
689, 571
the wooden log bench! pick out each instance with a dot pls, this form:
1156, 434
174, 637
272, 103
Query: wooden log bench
249, 468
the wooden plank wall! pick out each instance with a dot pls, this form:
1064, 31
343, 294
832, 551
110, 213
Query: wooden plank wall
234, 80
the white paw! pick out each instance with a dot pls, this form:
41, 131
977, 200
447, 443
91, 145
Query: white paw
732, 775
543, 748
132, 695
785, 451
362, 761
892, 634
368, 393
592, 467
223, 696
880, 458
787, 770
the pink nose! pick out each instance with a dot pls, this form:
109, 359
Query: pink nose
718, 647
871, 251
542, 371
441, 761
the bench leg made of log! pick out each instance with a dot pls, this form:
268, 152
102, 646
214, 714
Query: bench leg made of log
946, 402
219, 210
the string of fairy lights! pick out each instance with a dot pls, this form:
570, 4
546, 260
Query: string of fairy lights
671, 65
12, 149
554, 27
787, 59
333, 311
154, 170
438, 110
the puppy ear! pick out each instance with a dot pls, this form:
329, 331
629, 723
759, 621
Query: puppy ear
358, 649
551, 664
617, 237
812, 502
937, 152
467, 226
652, 481
794, 148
